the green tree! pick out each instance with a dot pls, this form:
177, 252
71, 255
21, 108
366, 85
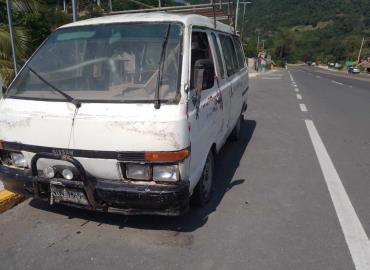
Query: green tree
23, 44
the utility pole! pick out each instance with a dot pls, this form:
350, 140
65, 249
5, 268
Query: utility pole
236, 15
74, 10
359, 53
110, 6
258, 41
263, 44
245, 4
237, 12
64, 6
12, 37
159, 3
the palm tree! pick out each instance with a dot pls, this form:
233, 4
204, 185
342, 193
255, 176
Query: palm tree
23, 43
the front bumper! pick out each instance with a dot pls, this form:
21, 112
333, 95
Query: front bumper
105, 195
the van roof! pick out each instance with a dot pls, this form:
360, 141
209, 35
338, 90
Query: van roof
186, 19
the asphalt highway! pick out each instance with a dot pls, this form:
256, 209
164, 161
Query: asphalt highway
293, 193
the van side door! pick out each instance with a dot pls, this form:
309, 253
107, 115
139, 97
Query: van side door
232, 68
204, 105
224, 86
243, 81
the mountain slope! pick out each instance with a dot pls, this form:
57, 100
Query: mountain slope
310, 29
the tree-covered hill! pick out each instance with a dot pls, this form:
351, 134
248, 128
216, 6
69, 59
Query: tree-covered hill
309, 29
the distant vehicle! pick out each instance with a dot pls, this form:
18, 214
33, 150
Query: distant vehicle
354, 69
313, 64
309, 63
337, 65
331, 65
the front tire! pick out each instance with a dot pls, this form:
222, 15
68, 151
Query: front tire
204, 189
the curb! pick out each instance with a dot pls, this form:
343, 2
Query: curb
9, 199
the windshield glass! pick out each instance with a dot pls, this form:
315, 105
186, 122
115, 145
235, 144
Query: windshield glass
112, 62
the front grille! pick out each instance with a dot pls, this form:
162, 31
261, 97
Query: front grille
131, 156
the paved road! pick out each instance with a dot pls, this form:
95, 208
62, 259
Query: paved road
292, 194
341, 73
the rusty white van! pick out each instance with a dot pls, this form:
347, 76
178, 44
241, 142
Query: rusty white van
124, 113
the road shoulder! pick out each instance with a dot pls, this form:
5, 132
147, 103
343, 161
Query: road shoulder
9, 199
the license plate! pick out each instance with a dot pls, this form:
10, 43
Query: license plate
60, 194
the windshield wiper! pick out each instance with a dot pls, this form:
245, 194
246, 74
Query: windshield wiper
68, 97
160, 68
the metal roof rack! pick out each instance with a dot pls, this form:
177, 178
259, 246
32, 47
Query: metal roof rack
211, 10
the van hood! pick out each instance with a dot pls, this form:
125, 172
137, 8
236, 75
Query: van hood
97, 126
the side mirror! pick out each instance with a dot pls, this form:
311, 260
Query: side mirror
204, 74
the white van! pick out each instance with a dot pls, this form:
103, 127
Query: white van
124, 113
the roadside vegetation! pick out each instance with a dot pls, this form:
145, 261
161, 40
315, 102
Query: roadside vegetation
292, 30
315, 30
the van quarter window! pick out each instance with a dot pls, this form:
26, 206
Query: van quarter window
232, 65
200, 50
239, 52
111, 63
218, 54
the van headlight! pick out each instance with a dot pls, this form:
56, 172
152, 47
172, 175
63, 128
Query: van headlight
18, 160
168, 173
138, 171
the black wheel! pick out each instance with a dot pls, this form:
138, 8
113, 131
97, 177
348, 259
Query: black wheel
235, 134
203, 191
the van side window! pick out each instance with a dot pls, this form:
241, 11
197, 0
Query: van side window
232, 65
200, 51
218, 54
239, 52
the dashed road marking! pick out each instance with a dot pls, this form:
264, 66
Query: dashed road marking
337, 82
299, 96
271, 78
296, 89
357, 241
303, 107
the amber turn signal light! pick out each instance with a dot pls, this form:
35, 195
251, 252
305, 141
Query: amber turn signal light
167, 156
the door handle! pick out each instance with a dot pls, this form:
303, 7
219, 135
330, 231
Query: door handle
219, 99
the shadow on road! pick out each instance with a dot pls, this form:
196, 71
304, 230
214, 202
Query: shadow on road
227, 163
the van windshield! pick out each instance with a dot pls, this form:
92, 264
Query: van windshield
112, 62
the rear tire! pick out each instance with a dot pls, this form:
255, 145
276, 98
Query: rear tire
235, 134
204, 189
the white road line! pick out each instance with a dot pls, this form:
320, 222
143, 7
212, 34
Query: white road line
299, 96
337, 82
271, 78
303, 107
354, 234
296, 89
